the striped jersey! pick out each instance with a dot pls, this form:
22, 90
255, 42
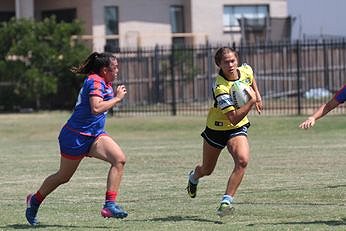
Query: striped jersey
340, 95
82, 120
223, 102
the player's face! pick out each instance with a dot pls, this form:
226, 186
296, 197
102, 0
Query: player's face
112, 71
229, 64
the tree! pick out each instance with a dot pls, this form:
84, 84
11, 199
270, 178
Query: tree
35, 58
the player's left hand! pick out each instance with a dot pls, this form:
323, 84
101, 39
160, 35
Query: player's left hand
259, 106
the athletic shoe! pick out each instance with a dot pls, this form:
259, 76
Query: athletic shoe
31, 210
111, 209
191, 187
225, 209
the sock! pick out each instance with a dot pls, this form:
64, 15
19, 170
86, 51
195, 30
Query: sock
227, 199
192, 180
37, 199
111, 196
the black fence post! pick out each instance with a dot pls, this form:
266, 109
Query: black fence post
298, 78
209, 68
172, 60
326, 65
158, 96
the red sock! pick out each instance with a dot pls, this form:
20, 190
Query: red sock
111, 196
39, 197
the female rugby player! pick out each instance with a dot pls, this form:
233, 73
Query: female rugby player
227, 126
84, 135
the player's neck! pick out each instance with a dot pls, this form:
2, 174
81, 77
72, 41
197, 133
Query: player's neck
233, 76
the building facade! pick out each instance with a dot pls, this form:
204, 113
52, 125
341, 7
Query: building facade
115, 24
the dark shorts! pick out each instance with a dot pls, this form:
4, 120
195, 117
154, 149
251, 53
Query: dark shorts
218, 139
73, 145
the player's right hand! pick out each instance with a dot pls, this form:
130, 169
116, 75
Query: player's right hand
308, 123
121, 91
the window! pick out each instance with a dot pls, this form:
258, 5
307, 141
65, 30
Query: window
112, 28
233, 14
65, 15
6, 16
177, 19
177, 24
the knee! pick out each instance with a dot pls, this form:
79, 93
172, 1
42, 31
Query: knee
242, 163
120, 162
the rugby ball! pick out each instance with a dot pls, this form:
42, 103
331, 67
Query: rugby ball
239, 94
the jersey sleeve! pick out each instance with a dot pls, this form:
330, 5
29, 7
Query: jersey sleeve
248, 74
223, 99
96, 88
340, 95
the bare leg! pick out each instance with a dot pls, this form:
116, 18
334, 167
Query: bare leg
240, 151
105, 148
63, 175
210, 156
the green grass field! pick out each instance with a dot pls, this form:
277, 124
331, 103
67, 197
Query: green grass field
295, 179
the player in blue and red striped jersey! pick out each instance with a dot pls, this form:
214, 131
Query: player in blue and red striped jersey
84, 135
338, 98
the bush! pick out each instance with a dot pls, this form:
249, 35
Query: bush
35, 62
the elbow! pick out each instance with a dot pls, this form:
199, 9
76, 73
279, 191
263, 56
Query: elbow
233, 120
95, 111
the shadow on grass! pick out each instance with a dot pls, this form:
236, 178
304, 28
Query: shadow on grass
294, 189
336, 186
44, 226
328, 222
184, 218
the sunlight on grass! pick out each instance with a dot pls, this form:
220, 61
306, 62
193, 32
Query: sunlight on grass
295, 179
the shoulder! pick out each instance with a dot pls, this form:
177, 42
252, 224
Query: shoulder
95, 81
246, 73
221, 84
95, 78
246, 68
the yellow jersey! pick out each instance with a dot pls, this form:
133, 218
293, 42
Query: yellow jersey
223, 102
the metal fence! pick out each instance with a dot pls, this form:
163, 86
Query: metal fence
293, 77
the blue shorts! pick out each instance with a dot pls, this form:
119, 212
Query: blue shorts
74, 145
218, 139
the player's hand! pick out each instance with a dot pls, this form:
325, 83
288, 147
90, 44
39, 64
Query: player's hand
121, 91
259, 106
252, 94
308, 123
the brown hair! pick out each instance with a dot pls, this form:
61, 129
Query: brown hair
94, 63
222, 51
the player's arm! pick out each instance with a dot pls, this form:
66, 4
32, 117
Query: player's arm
98, 105
235, 116
259, 103
319, 113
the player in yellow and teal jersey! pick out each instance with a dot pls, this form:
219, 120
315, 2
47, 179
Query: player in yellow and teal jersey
227, 125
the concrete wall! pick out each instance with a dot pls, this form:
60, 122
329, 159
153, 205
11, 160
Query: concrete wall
208, 18
147, 22
144, 23
84, 11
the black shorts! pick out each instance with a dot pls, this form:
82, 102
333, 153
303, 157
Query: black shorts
218, 139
